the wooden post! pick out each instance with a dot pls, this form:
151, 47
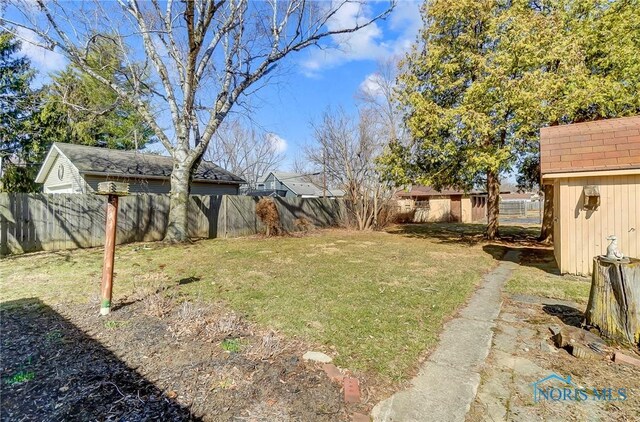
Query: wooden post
614, 300
106, 286
113, 190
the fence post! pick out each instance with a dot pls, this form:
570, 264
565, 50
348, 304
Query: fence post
4, 224
224, 215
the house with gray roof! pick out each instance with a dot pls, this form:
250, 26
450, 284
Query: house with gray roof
291, 185
70, 168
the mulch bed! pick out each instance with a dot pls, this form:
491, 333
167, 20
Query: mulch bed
154, 359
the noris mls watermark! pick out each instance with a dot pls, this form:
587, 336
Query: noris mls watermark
556, 388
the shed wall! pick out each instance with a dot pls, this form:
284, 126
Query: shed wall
467, 216
583, 233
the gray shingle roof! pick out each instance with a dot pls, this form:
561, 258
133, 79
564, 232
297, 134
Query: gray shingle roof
96, 160
300, 186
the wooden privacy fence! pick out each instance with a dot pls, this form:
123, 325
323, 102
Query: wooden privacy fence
51, 222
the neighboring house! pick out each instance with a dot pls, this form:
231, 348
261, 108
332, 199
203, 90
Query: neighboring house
291, 185
70, 168
447, 205
594, 168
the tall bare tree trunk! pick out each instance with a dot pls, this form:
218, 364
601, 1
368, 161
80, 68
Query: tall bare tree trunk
493, 204
177, 230
546, 233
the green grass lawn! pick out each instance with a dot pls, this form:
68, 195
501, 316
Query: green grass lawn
538, 275
376, 301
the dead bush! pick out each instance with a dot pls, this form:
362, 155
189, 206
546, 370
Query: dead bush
209, 322
267, 212
189, 320
404, 217
386, 216
267, 346
158, 305
302, 224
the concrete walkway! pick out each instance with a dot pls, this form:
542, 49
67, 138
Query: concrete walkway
448, 381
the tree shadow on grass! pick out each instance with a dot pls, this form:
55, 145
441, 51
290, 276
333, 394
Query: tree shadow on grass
522, 239
466, 233
541, 257
53, 371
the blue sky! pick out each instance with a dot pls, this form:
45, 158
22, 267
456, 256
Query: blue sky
312, 80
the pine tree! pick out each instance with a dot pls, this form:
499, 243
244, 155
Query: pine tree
466, 96
486, 75
73, 108
18, 103
91, 113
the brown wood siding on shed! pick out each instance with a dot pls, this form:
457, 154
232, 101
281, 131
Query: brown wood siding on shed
580, 235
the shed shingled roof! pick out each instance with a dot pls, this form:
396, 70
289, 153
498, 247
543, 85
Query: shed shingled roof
95, 160
608, 144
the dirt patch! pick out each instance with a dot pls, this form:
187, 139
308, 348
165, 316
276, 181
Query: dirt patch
155, 359
523, 353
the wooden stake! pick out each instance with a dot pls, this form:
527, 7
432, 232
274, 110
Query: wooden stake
109, 253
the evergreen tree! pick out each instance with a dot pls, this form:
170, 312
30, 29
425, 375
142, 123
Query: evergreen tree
18, 104
592, 72
486, 75
78, 109
73, 108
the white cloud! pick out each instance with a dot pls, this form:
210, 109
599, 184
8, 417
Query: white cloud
278, 143
407, 19
371, 85
369, 43
44, 60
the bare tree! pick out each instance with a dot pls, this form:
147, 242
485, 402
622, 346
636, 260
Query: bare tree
346, 148
377, 94
245, 151
201, 56
309, 171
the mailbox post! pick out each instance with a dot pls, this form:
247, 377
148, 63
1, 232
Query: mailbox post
112, 190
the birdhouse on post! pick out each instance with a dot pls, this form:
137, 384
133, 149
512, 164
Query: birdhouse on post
112, 190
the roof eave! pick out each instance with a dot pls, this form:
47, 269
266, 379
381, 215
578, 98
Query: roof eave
154, 177
47, 164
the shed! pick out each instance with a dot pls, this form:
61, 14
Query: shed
70, 168
594, 168
446, 205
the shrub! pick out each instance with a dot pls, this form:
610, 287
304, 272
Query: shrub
386, 216
267, 212
302, 224
405, 217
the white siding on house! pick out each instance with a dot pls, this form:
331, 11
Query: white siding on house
581, 234
71, 178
